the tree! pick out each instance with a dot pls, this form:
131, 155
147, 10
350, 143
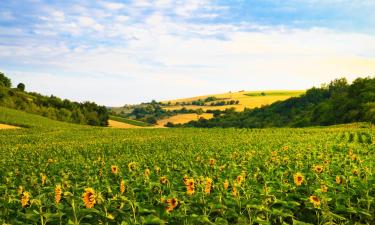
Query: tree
5, 81
21, 87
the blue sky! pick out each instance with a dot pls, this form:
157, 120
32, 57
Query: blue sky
118, 52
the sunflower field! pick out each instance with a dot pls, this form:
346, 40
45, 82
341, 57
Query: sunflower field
57, 173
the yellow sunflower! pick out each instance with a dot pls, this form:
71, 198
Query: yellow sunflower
338, 180
208, 187
298, 179
163, 180
190, 188
114, 169
58, 192
212, 162
172, 204
89, 198
226, 184
318, 168
315, 200
122, 186
25, 200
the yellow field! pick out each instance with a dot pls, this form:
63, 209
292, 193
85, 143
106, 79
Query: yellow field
183, 118
6, 126
245, 100
116, 124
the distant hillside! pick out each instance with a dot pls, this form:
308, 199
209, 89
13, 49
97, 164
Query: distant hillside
238, 100
51, 106
189, 109
336, 103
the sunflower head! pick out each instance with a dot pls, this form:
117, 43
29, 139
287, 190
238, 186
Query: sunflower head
25, 200
122, 186
239, 179
114, 169
212, 162
172, 203
298, 179
185, 179
208, 185
44, 178
338, 180
190, 188
132, 166
314, 200
323, 188
234, 191
89, 198
147, 172
226, 184
163, 180
58, 192
318, 168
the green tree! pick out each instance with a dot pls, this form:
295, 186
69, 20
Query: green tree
5, 81
21, 87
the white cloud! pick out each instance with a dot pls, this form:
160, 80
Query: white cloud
132, 56
113, 5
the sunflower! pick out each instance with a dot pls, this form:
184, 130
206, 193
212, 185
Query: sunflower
338, 180
132, 166
239, 179
355, 172
89, 198
172, 203
25, 200
212, 162
208, 187
122, 186
147, 172
185, 179
58, 192
190, 188
157, 169
323, 188
114, 169
234, 191
318, 168
315, 200
163, 180
44, 178
298, 179
226, 184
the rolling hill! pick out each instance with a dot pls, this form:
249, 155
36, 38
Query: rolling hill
193, 108
246, 99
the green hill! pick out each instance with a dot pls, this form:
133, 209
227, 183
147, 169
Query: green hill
51, 106
336, 103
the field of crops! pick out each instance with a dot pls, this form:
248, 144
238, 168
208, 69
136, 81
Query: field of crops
247, 99
58, 173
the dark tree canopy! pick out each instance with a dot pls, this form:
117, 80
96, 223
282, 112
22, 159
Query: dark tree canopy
336, 103
21, 87
5, 81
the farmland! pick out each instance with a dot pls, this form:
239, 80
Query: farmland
59, 173
247, 99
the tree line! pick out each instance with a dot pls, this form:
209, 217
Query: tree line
51, 106
336, 103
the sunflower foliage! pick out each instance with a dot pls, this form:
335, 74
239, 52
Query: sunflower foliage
70, 174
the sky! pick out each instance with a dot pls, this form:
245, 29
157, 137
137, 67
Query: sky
123, 52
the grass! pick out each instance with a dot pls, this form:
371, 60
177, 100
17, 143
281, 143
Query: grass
136, 176
247, 99
130, 121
